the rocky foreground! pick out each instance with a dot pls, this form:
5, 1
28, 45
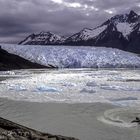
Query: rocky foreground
12, 131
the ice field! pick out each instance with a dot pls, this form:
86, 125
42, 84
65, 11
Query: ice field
119, 86
75, 56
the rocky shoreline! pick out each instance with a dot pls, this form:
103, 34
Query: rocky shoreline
12, 131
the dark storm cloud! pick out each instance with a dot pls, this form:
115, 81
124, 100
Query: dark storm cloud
18, 18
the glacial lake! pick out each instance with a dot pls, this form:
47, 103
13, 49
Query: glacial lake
82, 103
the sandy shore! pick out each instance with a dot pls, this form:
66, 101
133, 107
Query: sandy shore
74, 120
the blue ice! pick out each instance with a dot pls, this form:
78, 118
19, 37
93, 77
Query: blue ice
17, 87
45, 88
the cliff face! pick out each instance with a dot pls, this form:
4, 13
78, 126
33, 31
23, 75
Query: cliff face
10, 61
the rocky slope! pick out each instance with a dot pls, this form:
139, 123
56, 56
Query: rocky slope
12, 131
43, 38
120, 31
10, 61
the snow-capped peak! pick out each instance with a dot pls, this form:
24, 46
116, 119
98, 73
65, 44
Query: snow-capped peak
132, 17
124, 23
87, 33
42, 38
120, 31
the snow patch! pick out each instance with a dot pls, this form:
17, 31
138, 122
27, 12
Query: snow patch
86, 34
124, 28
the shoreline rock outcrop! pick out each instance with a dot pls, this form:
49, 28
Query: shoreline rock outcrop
12, 131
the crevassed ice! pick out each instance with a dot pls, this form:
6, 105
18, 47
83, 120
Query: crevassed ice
75, 57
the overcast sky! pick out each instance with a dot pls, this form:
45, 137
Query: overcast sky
19, 18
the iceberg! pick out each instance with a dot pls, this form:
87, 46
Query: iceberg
16, 87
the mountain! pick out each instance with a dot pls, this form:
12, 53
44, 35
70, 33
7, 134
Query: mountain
10, 61
121, 31
43, 38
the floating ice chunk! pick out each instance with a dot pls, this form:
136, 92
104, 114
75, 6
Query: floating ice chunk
125, 99
7, 73
87, 91
131, 80
17, 87
44, 88
69, 84
91, 84
128, 101
118, 88
115, 78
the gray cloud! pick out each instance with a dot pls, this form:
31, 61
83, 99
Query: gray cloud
20, 18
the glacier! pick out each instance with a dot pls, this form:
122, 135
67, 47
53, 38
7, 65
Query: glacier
74, 56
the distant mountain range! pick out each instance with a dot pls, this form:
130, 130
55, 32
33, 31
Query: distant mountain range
121, 32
